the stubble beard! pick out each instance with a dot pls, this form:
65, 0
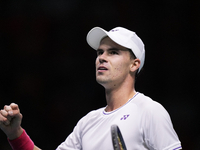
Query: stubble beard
102, 80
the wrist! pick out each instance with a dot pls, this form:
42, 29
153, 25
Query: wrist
15, 134
23, 142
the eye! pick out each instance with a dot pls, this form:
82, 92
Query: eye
113, 52
99, 52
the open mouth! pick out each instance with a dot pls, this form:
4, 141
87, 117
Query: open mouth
102, 68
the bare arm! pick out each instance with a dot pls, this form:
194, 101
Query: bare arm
10, 122
36, 148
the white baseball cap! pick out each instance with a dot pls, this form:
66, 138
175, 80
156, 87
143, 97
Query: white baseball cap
121, 36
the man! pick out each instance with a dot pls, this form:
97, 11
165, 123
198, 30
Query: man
144, 123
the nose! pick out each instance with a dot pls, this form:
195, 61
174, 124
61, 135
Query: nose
102, 58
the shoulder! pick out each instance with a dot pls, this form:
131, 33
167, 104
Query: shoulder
146, 102
90, 116
150, 106
156, 124
95, 113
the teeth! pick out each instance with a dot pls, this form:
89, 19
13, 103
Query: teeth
102, 69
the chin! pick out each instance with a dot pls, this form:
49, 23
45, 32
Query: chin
101, 81
104, 82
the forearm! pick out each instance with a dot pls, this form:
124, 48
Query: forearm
36, 148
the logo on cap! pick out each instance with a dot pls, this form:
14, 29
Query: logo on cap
113, 30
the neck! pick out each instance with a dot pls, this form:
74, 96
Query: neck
117, 97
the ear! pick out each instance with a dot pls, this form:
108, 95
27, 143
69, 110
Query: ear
135, 65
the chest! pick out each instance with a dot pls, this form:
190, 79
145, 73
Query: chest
97, 133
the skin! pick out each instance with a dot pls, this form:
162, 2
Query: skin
119, 77
10, 121
115, 71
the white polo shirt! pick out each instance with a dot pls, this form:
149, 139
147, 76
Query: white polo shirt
144, 123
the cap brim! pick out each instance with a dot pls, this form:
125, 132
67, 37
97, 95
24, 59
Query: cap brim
95, 36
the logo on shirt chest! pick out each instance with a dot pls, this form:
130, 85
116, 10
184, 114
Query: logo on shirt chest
124, 117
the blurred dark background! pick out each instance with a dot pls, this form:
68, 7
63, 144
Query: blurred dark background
48, 68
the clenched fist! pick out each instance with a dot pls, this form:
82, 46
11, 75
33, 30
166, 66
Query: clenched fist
10, 121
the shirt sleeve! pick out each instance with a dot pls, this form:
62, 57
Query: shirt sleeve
73, 141
159, 133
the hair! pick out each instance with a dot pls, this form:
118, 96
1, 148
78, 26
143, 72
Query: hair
132, 56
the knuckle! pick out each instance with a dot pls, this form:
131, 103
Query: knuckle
13, 104
8, 108
4, 113
3, 120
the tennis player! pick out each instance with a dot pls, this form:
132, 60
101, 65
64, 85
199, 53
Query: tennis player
144, 123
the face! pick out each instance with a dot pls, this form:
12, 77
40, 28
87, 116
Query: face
113, 63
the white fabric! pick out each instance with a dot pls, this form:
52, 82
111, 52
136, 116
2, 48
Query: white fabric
121, 36
144, 124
